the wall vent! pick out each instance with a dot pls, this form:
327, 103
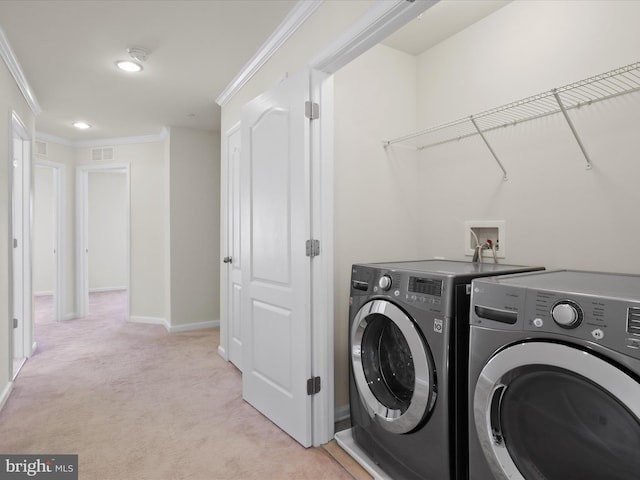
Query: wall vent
633, 320
41, 148
103, 153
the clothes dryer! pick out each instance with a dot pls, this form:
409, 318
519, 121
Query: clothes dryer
554, 377
408, 349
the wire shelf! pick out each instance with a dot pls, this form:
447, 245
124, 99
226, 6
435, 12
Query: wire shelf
616, 82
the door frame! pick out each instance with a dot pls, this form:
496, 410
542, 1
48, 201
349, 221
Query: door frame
59, 287
82, 231
379, 21
226, 306
24, 334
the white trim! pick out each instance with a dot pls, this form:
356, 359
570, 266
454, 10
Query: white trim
370, 29
322, 274
223, 353
70, 316
150, 321
107, 289
10, 59
194, 326
5, 394
294, 20
46, 137
19, 131
43, 293
102, 142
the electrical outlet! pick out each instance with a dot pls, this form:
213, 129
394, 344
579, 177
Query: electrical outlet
483, 230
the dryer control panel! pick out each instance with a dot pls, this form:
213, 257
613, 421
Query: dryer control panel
590, 306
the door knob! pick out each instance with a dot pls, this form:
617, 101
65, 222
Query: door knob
227, 259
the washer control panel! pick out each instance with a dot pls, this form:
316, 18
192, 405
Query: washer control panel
567, 314
420, 291
512, 304
385, 282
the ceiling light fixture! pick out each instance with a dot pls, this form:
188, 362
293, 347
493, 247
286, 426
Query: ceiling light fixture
139, 55
128, 66
81, 125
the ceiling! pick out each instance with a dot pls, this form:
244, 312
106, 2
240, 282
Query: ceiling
67, 50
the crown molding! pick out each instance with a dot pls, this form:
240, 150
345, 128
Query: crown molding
101, 142
10, 59
296, 17
374, 26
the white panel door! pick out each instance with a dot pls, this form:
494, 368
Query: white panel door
234, 252
275, 269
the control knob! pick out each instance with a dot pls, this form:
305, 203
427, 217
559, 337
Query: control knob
567, 314
385, 282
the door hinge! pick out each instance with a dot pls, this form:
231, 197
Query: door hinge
313, 385
15, 323
311, 110
312, 248
15, 243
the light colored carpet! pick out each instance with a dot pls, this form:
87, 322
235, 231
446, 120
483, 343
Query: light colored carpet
135, 402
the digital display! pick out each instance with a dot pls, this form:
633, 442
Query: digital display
425, 286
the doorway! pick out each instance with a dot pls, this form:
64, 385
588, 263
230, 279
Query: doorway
48, 246
103, 227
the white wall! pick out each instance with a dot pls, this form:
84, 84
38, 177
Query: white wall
557, 214
194, 166
186, 184
108, 231
44, 213
146, 163
11, 99
376, 217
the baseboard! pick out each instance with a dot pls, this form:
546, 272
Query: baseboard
5, 394
194, 326
175, 328
70, 316
150, 321
341, 413
223, 353
44, 293
107, 289
34, 346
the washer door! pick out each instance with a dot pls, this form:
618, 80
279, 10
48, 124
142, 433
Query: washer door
392, 367
546, 411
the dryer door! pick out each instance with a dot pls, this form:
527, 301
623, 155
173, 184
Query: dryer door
392, 367
547, 411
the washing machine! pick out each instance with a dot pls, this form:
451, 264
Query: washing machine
408, 343
554, 377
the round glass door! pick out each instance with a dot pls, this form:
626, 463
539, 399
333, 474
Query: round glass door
552, 412
392, 367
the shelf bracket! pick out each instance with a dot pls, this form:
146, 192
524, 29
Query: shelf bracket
573, 129
484, 139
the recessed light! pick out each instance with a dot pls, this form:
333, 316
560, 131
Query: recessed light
81, 125
128, 66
